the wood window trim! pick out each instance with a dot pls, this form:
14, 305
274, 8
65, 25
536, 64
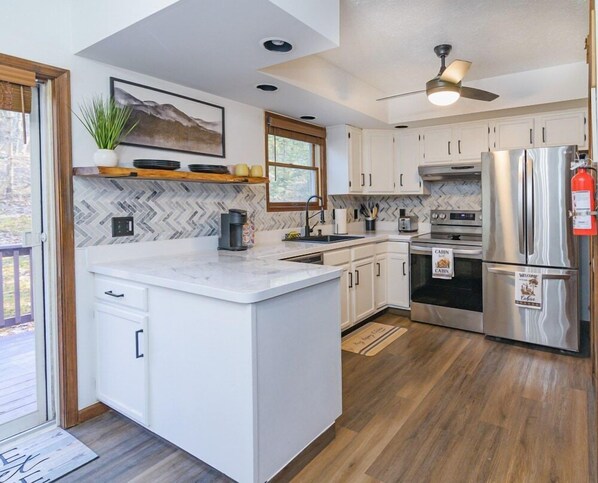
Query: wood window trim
68, 404
301, 131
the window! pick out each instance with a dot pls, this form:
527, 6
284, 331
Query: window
295, 163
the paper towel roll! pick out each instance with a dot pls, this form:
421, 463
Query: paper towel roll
340, 221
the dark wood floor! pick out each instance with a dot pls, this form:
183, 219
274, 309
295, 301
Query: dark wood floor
436, 405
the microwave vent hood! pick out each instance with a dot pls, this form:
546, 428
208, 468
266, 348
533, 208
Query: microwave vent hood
443, 172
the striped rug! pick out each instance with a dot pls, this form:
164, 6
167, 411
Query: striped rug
371, 338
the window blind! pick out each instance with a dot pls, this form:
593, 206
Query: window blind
15, 89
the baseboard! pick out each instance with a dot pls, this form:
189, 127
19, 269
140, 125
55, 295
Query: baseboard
302, 459
92, 411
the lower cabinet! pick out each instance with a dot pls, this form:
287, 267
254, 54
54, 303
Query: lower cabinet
363, 288
398, 275
121, 362
380, 281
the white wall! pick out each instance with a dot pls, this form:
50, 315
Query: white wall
45, 37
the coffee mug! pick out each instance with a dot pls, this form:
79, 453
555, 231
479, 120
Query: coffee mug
257, 171
242, 170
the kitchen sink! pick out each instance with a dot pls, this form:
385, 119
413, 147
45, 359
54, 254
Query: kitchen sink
325, 238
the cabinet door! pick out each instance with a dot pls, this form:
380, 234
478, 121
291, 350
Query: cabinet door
363, 289
513, 133
563, 128
380, 281
378, 161
356, 173
345, 297
407, 161
438, 145
398, 280
471, 140
122, 369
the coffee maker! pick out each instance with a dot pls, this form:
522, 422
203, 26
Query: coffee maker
231, 230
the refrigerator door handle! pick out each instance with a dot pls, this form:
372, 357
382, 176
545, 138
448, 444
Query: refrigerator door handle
529, 192
546, 276
521, 205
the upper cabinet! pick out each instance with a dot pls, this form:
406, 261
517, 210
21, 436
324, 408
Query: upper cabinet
378, 161
454, 143
471, 140
512, 133
343, 160
557, 129
408, 157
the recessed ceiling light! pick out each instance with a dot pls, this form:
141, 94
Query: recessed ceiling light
267, 87
308, 118
401, 126
277, 45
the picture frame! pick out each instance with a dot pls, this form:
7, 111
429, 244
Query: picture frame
170, 121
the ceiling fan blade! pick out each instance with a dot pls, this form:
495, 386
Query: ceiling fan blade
477, 94
400, 95
456, 71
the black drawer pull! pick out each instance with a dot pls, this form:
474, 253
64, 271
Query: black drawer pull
115, 295
350, 280
404, 272
357, 276
378, 274
137, 354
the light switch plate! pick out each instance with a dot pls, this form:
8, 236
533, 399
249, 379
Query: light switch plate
122, 226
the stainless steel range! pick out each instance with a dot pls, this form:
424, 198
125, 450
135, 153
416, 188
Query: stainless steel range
455, 301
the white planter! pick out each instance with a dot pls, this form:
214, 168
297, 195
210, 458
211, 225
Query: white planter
105, 157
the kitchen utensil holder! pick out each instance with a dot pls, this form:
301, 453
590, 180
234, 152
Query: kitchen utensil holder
370, 225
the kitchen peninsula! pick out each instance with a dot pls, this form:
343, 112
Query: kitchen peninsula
235, 360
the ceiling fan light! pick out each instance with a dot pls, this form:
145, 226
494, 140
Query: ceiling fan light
443, 98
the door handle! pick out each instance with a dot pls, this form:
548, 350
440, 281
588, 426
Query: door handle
115, 295
350, 279
370, 179
520, 204
531, 134
137, 354
378, 274
356, 278
543, 134
362, 179
459, 146
449, 148
404, 272
401, 180
529, 193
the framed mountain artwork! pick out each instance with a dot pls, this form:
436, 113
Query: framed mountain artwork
170, 121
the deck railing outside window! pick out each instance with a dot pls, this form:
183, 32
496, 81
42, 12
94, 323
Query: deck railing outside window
16, 297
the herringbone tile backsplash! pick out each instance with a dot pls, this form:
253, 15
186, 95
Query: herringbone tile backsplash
172, 210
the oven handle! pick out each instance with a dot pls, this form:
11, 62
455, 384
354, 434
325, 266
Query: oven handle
549, 276
418, 250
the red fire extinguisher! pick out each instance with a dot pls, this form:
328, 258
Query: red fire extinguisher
583, 192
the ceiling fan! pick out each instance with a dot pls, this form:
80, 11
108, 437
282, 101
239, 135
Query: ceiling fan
446, 88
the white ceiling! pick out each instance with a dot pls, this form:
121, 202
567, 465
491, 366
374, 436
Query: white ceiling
389, 43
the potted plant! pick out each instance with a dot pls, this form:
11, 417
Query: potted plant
108, 123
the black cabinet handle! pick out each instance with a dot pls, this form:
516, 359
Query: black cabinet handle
350, 279
115, 295
370, 179
362, 179
404, 272
459, 146
357, 277
449, 148
401, 180
137, 354
531, 141
378, 274
543, 134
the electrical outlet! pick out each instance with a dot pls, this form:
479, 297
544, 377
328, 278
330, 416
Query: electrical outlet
122, 226
355, 214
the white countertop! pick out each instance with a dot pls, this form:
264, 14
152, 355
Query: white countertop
244, 277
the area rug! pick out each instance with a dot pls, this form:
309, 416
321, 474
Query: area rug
42, 457
372, 338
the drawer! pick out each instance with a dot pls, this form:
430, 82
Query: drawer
337, 257
382, 248
121, 293
363, 251
398, 247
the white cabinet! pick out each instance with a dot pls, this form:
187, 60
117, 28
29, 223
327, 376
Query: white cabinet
378, 161
470, 140
560, 128
363, 288
408, 157
512, 133
343, 160
438, 146
121, 361
380, 276
342, 259
398, 275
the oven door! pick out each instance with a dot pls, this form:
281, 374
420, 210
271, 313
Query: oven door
463, 291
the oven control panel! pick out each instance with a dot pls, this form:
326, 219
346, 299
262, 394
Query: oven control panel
456, 217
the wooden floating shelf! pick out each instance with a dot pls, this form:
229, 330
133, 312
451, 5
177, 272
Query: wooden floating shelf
164, 175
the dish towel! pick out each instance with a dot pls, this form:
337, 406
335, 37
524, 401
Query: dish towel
442, 263
528, 290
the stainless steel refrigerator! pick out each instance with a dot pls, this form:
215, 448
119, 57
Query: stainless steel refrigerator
526, 195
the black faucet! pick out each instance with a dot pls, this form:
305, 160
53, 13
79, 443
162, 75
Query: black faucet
309, 229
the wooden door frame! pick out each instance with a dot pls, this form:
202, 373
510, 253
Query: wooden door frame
68, 404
